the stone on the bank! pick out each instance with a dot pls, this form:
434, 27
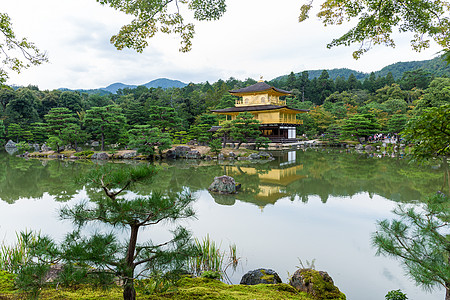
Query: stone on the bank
369, 148
220, 156
359, 147
181, 151
264, 276
316, 283
265, 155
100, 155
193, 154
232, 155
129, 155
10, 144
45, 148
223, 185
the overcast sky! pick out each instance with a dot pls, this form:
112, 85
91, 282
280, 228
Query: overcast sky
254, 38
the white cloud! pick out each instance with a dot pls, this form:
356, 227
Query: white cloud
254, 37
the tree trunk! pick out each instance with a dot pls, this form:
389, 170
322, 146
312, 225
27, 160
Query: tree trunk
103, 141
129, 292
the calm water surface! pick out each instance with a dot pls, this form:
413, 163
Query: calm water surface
320, 205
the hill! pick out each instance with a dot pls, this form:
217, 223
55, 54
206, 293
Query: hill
436, 66
163, 83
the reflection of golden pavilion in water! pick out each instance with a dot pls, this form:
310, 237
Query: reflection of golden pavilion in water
273, 182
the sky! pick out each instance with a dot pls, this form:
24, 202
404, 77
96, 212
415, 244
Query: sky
254, 38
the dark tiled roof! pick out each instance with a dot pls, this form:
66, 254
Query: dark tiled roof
256, 108
259, 87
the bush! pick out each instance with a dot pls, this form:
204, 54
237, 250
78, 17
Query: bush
395, 295
85, 153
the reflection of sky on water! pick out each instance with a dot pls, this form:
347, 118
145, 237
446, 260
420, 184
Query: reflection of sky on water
336, 233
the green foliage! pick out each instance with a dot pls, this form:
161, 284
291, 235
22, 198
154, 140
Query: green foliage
147, 140
6, 281
211, 275
361, 126
30, 260
244, 127
104, 251
17, 53
212, 259
376, 22
418, 239
86, 153
153, 16
395, 295
23, 147
55, 143
262, 141
107, 121
215, 145
430, 133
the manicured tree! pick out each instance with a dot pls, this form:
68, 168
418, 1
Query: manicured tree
262, 141
2, 133
58, 118
15, 132
419, 239
396, 124
165, 118
224, 132
39, 132
104, 252
55, 142
107, 121
361, 126
244, 127
215, 146
73, 134
147, 140
430, 133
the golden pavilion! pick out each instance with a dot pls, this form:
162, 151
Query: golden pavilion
278, 122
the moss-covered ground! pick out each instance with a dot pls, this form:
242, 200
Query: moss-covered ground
185, 289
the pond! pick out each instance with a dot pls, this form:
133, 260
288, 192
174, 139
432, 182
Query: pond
319, 205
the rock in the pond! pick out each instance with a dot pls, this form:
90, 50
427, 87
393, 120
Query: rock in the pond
316, 283
265, 276
223, 185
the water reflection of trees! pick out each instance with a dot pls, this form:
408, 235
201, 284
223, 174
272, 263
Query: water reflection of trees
306, 174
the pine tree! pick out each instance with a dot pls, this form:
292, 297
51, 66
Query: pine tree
103, 251
419, 239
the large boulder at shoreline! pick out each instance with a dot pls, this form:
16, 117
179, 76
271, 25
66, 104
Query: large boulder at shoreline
316, 283
223, 185
100, 155
45, 148
10, 144
193, 154
129, 155
264, 276
181, 151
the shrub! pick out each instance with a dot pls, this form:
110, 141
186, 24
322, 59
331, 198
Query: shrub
395, 295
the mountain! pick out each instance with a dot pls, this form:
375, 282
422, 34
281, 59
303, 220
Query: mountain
163, 83
436, 66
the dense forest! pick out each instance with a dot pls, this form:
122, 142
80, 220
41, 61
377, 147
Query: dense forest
73, 118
